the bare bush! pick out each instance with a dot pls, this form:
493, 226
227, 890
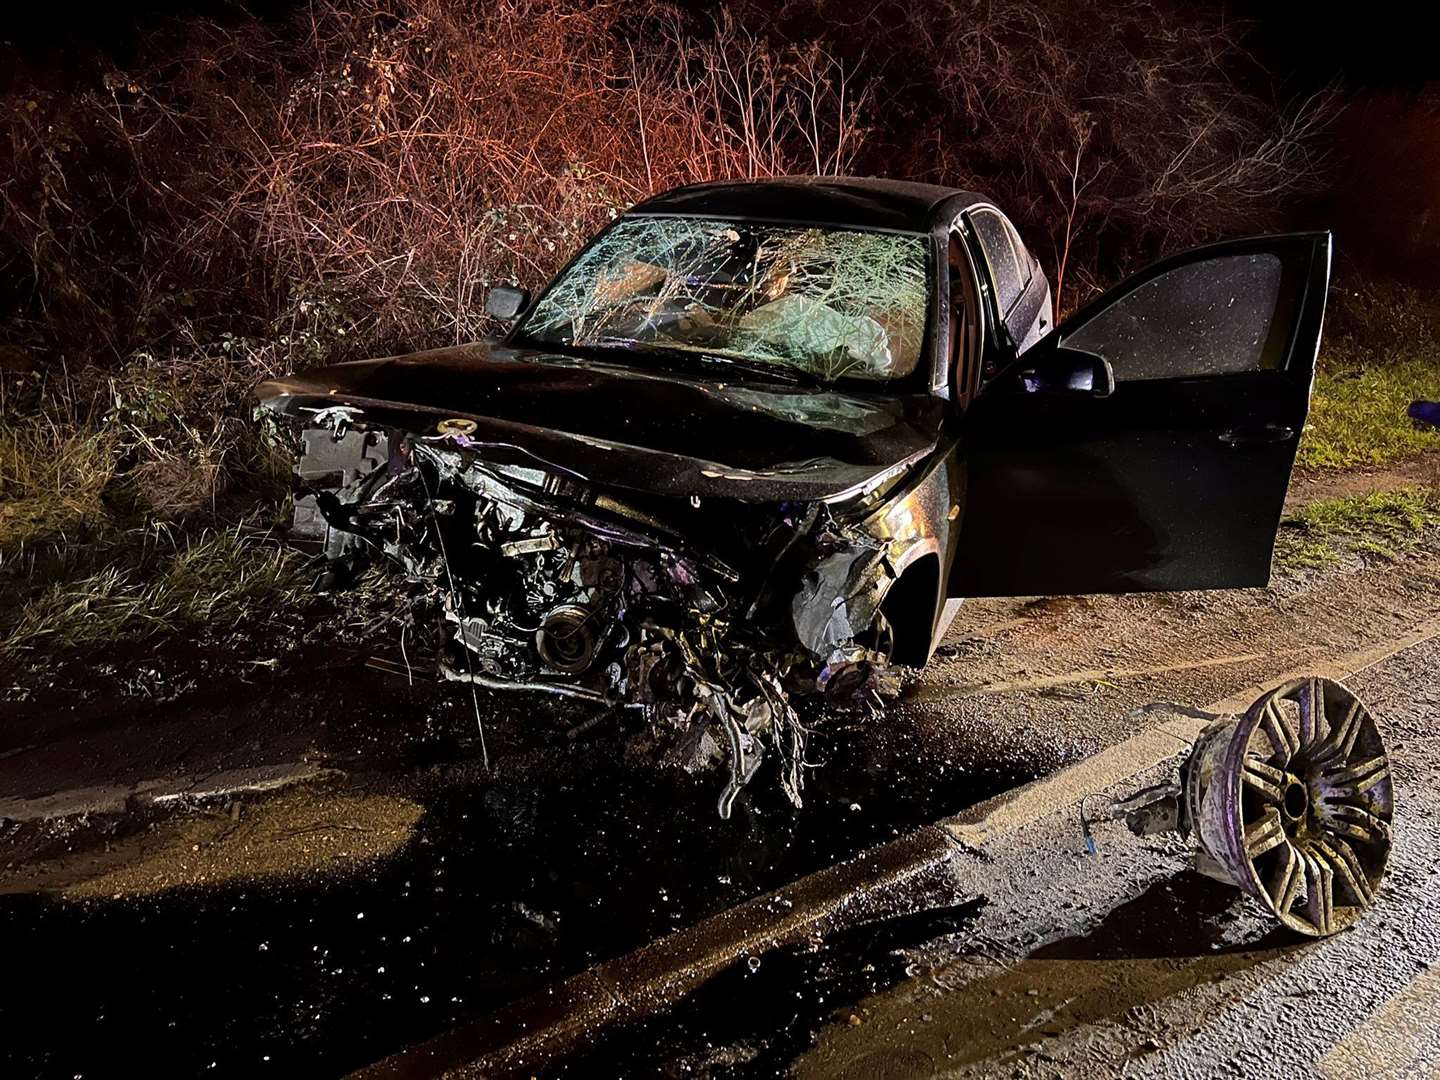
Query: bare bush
394, 160
400, 159
1123, 133
257, 200
462, 147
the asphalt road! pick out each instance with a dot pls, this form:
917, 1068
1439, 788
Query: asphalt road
1058, 963
397, 890
1175, 976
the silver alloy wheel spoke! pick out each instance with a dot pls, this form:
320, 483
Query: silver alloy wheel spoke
1312, 714
1362, 774
1265, 834
1345, 819
1265, 780
1286, 882
1340, 743
1282, 738
1319, 893
1346, 866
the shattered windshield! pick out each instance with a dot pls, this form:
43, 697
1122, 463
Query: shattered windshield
830, 303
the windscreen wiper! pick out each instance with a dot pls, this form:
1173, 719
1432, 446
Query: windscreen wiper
779, 372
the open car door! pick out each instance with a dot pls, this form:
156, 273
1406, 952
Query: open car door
1173, 475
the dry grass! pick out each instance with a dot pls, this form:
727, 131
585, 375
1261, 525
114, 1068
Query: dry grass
159, 582
52, 477
128, 503
167, 436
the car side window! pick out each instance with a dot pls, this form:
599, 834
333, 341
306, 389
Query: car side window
1001, 256
1212, 317
962, 347
1023, 256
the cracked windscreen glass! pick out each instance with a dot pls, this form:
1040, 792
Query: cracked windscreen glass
828, 303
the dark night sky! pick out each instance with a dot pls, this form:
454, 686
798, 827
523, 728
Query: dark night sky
1387, 45
1314, 42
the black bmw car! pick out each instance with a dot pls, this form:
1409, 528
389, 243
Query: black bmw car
758, 439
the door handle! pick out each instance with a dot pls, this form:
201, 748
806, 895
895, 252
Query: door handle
1263, 433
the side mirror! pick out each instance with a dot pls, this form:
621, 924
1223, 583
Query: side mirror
1068, 371
506, 302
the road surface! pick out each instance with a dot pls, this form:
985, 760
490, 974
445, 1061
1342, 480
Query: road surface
242, 856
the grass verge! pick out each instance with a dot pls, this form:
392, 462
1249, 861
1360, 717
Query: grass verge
1357, 415
52, 475
162, 580
1386, 524
1381, 352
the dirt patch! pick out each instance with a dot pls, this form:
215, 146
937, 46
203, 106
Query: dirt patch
1045, 683
1308, 486
291, 835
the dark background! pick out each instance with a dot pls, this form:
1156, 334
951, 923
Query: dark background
111, 230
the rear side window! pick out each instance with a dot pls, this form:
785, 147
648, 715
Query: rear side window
1006, 267
1027, 262
1213, 317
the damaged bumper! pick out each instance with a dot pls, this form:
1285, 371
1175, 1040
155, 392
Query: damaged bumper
709, 616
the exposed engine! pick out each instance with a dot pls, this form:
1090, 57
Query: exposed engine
535, 580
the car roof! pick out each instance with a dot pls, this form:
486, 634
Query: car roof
865, 202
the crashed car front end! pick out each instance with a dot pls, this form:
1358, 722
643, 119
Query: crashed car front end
712, 616
686, 483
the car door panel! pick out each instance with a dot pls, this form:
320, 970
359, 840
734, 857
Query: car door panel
1177, 480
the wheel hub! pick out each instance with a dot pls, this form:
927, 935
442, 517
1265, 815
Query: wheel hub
1296, 803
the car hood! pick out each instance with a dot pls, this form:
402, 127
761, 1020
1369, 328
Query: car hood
647, 429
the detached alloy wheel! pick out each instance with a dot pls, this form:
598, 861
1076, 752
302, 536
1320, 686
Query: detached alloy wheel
1295, 802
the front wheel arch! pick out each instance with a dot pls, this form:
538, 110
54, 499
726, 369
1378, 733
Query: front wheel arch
910, 606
